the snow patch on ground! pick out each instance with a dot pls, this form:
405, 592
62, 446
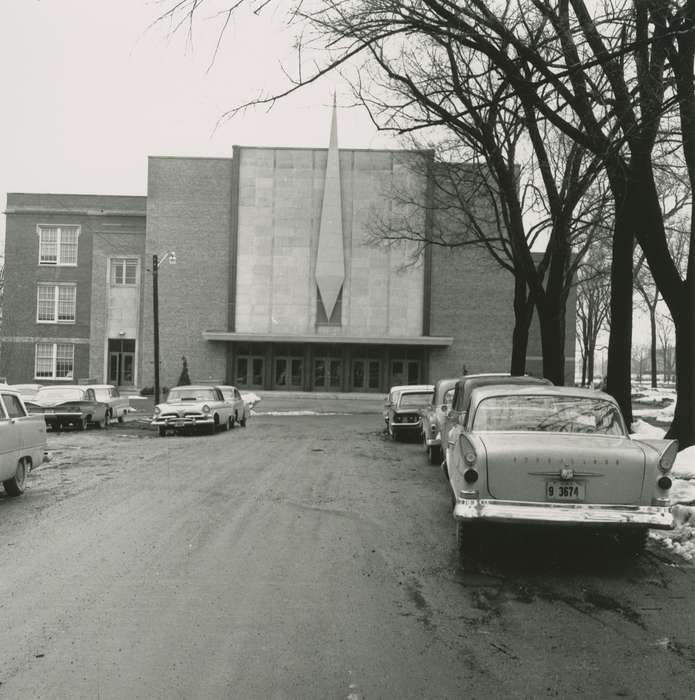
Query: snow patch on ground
680, 541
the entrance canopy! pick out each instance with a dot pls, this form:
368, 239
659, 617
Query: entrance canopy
417, 341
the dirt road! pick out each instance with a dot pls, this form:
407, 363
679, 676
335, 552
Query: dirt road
309, 557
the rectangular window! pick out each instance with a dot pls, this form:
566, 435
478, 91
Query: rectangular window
55, 303
54, 361
124, 271
58, 245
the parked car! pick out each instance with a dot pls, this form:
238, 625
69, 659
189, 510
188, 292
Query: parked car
434, 418
22, 442
239, 405
462, 395
196, 407
391, 398
405, 414
26, 391
68, 405
547, 455
117, 405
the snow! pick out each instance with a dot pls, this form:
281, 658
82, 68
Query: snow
659, 404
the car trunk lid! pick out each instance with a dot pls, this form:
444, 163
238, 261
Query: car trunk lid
563, 467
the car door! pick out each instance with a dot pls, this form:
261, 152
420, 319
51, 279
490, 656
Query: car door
10, 443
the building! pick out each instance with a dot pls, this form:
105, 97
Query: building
275, 284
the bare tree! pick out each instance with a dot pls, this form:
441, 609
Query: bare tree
609, 77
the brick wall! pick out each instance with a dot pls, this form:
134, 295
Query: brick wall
20, 330
189, 208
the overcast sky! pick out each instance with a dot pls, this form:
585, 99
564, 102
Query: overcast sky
90, 92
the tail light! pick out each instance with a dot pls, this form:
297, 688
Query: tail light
668, 456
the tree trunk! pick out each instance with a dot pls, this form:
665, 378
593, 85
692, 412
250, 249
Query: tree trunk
523, 313
683, 426
652, 326
590, 366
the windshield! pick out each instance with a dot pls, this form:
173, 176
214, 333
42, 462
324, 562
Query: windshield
560, 414
59, 393
414, 400
102, 394
185, 394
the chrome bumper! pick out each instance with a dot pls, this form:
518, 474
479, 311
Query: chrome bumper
587, 514
184, 422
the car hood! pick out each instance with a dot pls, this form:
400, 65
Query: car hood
519, 464
180, 406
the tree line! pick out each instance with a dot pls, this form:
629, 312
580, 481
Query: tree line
578, 119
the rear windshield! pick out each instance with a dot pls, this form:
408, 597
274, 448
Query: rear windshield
412, 399
59, 394
559, 414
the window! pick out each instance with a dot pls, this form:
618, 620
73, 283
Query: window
124, 271
58, 245
55, 303
14, 407
54, 361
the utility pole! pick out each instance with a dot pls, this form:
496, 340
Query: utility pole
155, 317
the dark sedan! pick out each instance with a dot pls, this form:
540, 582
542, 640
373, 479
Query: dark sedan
72, 405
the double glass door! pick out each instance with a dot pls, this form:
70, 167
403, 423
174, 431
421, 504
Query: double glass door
288, 373
121, 370
366, 374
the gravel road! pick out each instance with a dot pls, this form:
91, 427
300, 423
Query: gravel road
309, 557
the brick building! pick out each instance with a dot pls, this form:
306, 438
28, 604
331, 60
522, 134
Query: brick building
275, 284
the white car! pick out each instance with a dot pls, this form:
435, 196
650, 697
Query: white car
238, 403
117, 405
193, 406
22, 442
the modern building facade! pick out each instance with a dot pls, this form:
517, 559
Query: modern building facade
276, 285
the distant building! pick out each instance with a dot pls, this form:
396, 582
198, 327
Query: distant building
275, 285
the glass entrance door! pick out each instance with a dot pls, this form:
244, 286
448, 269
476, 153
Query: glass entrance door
328, 373
250, 371
121, 368
289, 373
366, 374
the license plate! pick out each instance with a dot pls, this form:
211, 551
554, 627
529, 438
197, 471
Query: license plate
564, 491
179, 423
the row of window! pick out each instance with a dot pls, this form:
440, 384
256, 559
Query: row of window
56, 303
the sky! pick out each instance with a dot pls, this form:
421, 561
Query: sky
91, 89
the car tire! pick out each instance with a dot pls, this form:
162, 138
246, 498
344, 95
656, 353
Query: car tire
242, 422
162, 431
229, 424
120, 418
434, 453
83, 424
102, 424
108, 418
15, 486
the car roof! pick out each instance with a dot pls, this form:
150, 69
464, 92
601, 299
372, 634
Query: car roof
442, 386
482, 392
465, 385
102, 386
225, 386
196, 386
68, 386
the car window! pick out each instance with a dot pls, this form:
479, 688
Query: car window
449, 397
184, 394
101, 394
3, 412
14, 407
413, 399
59, 394
562, 414
89, 395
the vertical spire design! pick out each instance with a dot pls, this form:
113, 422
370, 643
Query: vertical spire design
330, 258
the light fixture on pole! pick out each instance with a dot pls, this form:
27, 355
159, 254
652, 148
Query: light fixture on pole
156, 262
